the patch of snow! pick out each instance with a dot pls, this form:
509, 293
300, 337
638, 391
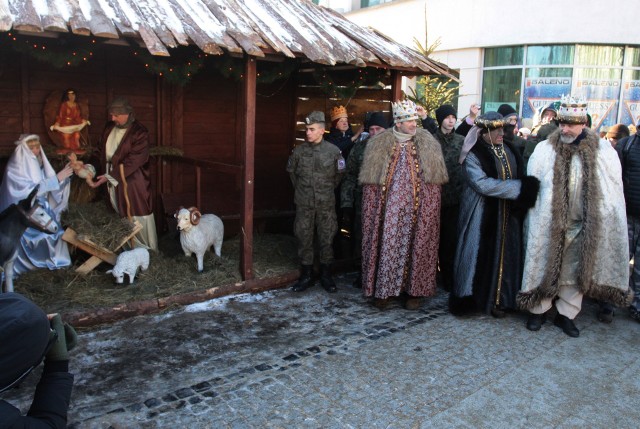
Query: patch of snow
131, 14
108, 10
272, 25
167, 16
222, 301
85, 8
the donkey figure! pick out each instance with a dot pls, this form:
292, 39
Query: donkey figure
14, 220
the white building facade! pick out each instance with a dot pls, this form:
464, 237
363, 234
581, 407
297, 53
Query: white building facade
526, 54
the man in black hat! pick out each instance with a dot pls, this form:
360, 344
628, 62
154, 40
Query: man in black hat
511, 127
27, 337
351, 192
451, 143
316, 168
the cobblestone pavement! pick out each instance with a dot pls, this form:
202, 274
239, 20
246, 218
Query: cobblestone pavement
316, 360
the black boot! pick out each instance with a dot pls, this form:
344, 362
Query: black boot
325, 278
535, 321
567, 325
305, 281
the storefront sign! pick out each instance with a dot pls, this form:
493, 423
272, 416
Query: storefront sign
540, 92
630, 103
602, 96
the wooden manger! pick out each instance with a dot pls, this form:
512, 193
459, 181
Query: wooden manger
98, 253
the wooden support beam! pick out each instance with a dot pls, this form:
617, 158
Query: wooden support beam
396, 86
248, 154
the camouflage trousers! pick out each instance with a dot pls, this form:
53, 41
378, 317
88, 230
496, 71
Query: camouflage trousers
319, 220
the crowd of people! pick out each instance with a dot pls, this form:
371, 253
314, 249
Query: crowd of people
505, 221
502, 220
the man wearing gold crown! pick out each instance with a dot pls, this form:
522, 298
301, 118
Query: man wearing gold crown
340, 133
576, 234
401, 175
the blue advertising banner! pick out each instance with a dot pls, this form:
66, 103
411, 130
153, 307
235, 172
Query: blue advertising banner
630, 103
539, 92
602, 96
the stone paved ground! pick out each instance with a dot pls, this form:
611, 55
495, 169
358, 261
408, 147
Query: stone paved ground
315, 360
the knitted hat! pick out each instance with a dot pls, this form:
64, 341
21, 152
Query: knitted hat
339, 112
490, 121
443, 111
404, 110
315, 117
618, 131
379, 119
572, 110
507, 111
120, 106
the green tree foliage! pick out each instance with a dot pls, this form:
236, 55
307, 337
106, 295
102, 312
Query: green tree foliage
432, 91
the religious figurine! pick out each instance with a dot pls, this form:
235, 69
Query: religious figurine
69, 123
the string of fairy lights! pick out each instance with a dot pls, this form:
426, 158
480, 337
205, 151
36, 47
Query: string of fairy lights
186, 62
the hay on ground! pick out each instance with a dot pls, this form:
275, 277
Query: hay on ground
169, 273
98, 223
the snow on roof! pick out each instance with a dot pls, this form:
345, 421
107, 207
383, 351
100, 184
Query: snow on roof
293, 28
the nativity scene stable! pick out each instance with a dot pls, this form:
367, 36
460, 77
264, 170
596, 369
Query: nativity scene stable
222, 87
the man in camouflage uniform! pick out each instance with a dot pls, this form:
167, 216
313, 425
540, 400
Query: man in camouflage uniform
351, 192
451, 143
316, 168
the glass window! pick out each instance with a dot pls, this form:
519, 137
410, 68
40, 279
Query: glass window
501, 86
507, 56
549, 55
603, 74
367, 3
593, 55
634, 55
549, 72
631, 75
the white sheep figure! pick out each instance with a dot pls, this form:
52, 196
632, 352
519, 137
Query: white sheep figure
128, 263
199, 232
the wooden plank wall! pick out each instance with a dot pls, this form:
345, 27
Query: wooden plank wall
201, 118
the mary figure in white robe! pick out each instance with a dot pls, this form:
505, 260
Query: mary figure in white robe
28, 167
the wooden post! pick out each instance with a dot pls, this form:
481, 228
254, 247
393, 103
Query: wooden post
199, 187
396, 85
248, 154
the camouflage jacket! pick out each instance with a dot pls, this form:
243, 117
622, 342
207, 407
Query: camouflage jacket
451, 145
351, 191
315, 171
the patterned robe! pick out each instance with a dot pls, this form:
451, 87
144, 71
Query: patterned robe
401, 215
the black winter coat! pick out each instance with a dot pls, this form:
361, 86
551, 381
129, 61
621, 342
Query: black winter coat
628, 150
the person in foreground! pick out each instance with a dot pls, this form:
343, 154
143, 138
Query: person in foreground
576, 235
28, 336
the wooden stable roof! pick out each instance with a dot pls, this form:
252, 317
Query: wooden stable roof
293, 28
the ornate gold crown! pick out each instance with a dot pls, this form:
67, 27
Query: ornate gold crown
404, 110
573, 110
339, 112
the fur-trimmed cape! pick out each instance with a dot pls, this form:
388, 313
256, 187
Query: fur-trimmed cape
603, 269
377, 158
